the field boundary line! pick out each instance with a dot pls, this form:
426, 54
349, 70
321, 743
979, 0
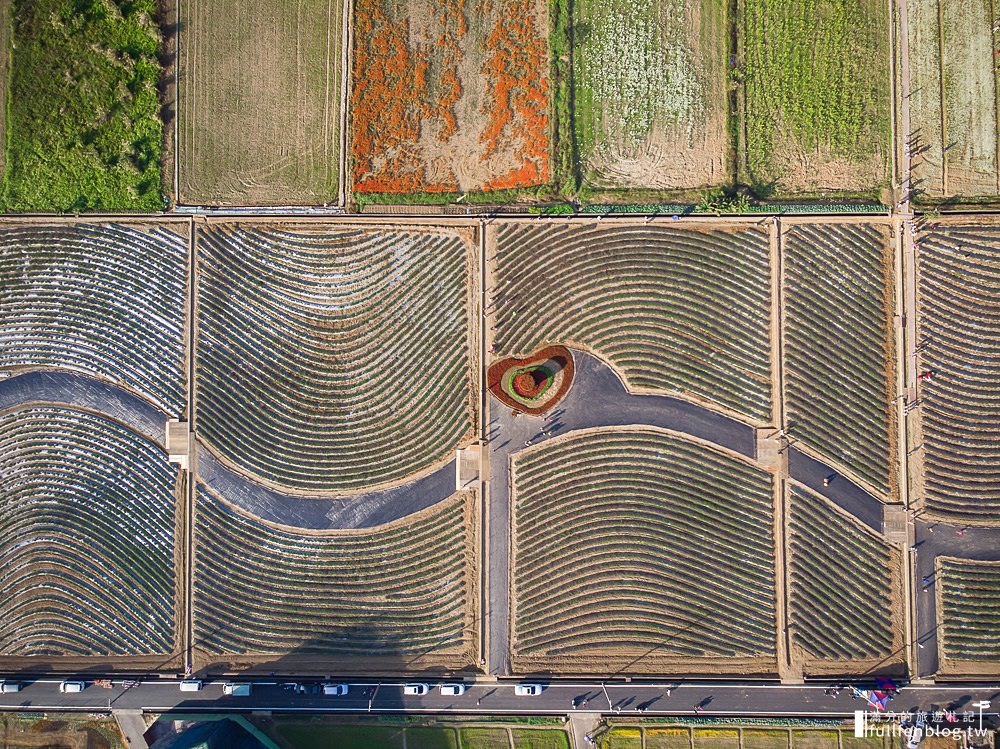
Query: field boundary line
894, 126
996, 90
484, 456
346, 68
944, 102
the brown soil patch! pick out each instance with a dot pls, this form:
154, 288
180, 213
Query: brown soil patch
259, 102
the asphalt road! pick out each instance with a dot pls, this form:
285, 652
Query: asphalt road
841, 491
499, 698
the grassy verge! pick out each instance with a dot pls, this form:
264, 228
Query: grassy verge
83, 126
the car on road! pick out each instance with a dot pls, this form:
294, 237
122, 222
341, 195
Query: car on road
10, 686
335, 690
236, 690
528, 690
453, 690
191, 685
416, 690
72, 687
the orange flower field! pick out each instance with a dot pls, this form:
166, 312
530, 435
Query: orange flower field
449, 95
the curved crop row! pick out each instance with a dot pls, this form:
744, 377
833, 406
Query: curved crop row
838, 345
638, 541
404, 588
104, 300
680, 311
86, 537
333, 359
841, 583
970, 602
959, 319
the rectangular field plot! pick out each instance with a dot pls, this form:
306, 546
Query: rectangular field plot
650, 93
449, 95
684, 312
260, 102
636, 551
87, 538
396, 597
968, 615
105, 301
817, 95
839, 368
335, 358
958, 268
953, 98
845, 605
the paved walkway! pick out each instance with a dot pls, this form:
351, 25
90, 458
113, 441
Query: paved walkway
70, 389
326, 513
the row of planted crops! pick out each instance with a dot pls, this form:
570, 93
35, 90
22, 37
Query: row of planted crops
959, 343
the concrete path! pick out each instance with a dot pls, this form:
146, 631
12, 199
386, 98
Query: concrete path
70, 389
325, 513
133, 727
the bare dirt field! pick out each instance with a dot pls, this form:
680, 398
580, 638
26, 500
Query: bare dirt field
259, 102
449, 95
953, 98
650, 93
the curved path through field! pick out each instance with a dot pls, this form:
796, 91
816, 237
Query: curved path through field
325, 513
71, 389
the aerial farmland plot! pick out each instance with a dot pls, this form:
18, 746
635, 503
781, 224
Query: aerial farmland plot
953, 99
87, 543
449, 96
816, 107
335, 358
968, 593
260, 102
640, 550
650, 93
839, 346
678, 311
958, 267
845, 589
396, 597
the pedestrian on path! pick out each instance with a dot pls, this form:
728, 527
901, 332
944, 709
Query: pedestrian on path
667, 692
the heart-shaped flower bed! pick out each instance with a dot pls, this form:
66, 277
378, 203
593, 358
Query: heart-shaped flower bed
535, 383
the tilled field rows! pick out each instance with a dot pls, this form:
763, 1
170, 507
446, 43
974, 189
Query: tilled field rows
969, 614
959, 331
838, 346
641, 549
845, 599
334, 358
103, 300
87, 538
392, 597
685, 312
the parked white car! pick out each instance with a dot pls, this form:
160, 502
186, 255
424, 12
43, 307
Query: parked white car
528, 690
10, 686
191, 685
335, 690
453, 690
416, 690
72, 687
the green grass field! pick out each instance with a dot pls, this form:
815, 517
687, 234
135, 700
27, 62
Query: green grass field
83, 128
817, 95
